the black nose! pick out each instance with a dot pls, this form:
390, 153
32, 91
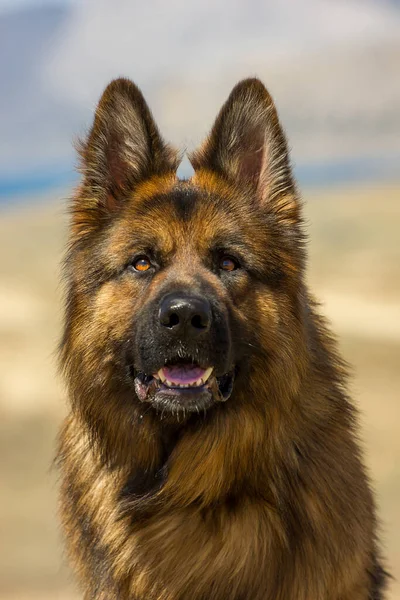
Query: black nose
185, 315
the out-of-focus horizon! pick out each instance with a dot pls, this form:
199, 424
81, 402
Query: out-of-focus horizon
332, 67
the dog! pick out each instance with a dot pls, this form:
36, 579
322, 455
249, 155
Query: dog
211, 448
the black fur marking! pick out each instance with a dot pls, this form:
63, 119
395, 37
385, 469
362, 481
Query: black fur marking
96, 556
144, 483
379, 579
180, 200
184, 202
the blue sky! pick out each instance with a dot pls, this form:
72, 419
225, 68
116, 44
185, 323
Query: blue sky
9, 5
317, 57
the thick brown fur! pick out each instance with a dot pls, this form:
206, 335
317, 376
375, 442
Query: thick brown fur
263, 497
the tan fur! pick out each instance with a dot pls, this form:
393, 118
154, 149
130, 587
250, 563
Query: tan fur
265, 497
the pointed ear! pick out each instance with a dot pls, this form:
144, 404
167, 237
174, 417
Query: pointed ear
123, 148
247, 145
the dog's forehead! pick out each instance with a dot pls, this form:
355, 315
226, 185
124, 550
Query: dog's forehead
186, 205
171, 214
181, 200
185, 201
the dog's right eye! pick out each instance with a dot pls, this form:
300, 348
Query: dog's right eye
228, 263
141, 264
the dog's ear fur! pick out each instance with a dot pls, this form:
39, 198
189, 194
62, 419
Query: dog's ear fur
123, 148
247, 145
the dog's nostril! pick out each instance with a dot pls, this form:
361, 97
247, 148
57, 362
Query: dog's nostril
173, 320
197, 322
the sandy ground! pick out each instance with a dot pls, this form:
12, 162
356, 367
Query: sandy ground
355, 272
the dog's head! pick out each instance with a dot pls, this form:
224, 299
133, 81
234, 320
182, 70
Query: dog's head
179, 291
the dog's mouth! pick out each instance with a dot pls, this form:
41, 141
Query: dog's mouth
183, 387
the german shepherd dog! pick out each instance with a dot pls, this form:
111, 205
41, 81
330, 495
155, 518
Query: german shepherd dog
211, 448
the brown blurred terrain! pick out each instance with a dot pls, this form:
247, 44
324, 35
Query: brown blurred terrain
355, 272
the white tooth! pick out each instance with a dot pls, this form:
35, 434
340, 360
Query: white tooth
161, 375
184, 385
169, 383
207, 374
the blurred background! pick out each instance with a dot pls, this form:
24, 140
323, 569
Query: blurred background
333, 67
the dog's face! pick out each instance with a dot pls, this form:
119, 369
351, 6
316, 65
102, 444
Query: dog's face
186, 271
178, 289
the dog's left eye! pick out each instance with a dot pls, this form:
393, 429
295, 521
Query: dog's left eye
141, 264
228, 263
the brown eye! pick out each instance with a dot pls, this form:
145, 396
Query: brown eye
141, 264
228, 263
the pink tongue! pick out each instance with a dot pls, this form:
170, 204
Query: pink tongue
184, 374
